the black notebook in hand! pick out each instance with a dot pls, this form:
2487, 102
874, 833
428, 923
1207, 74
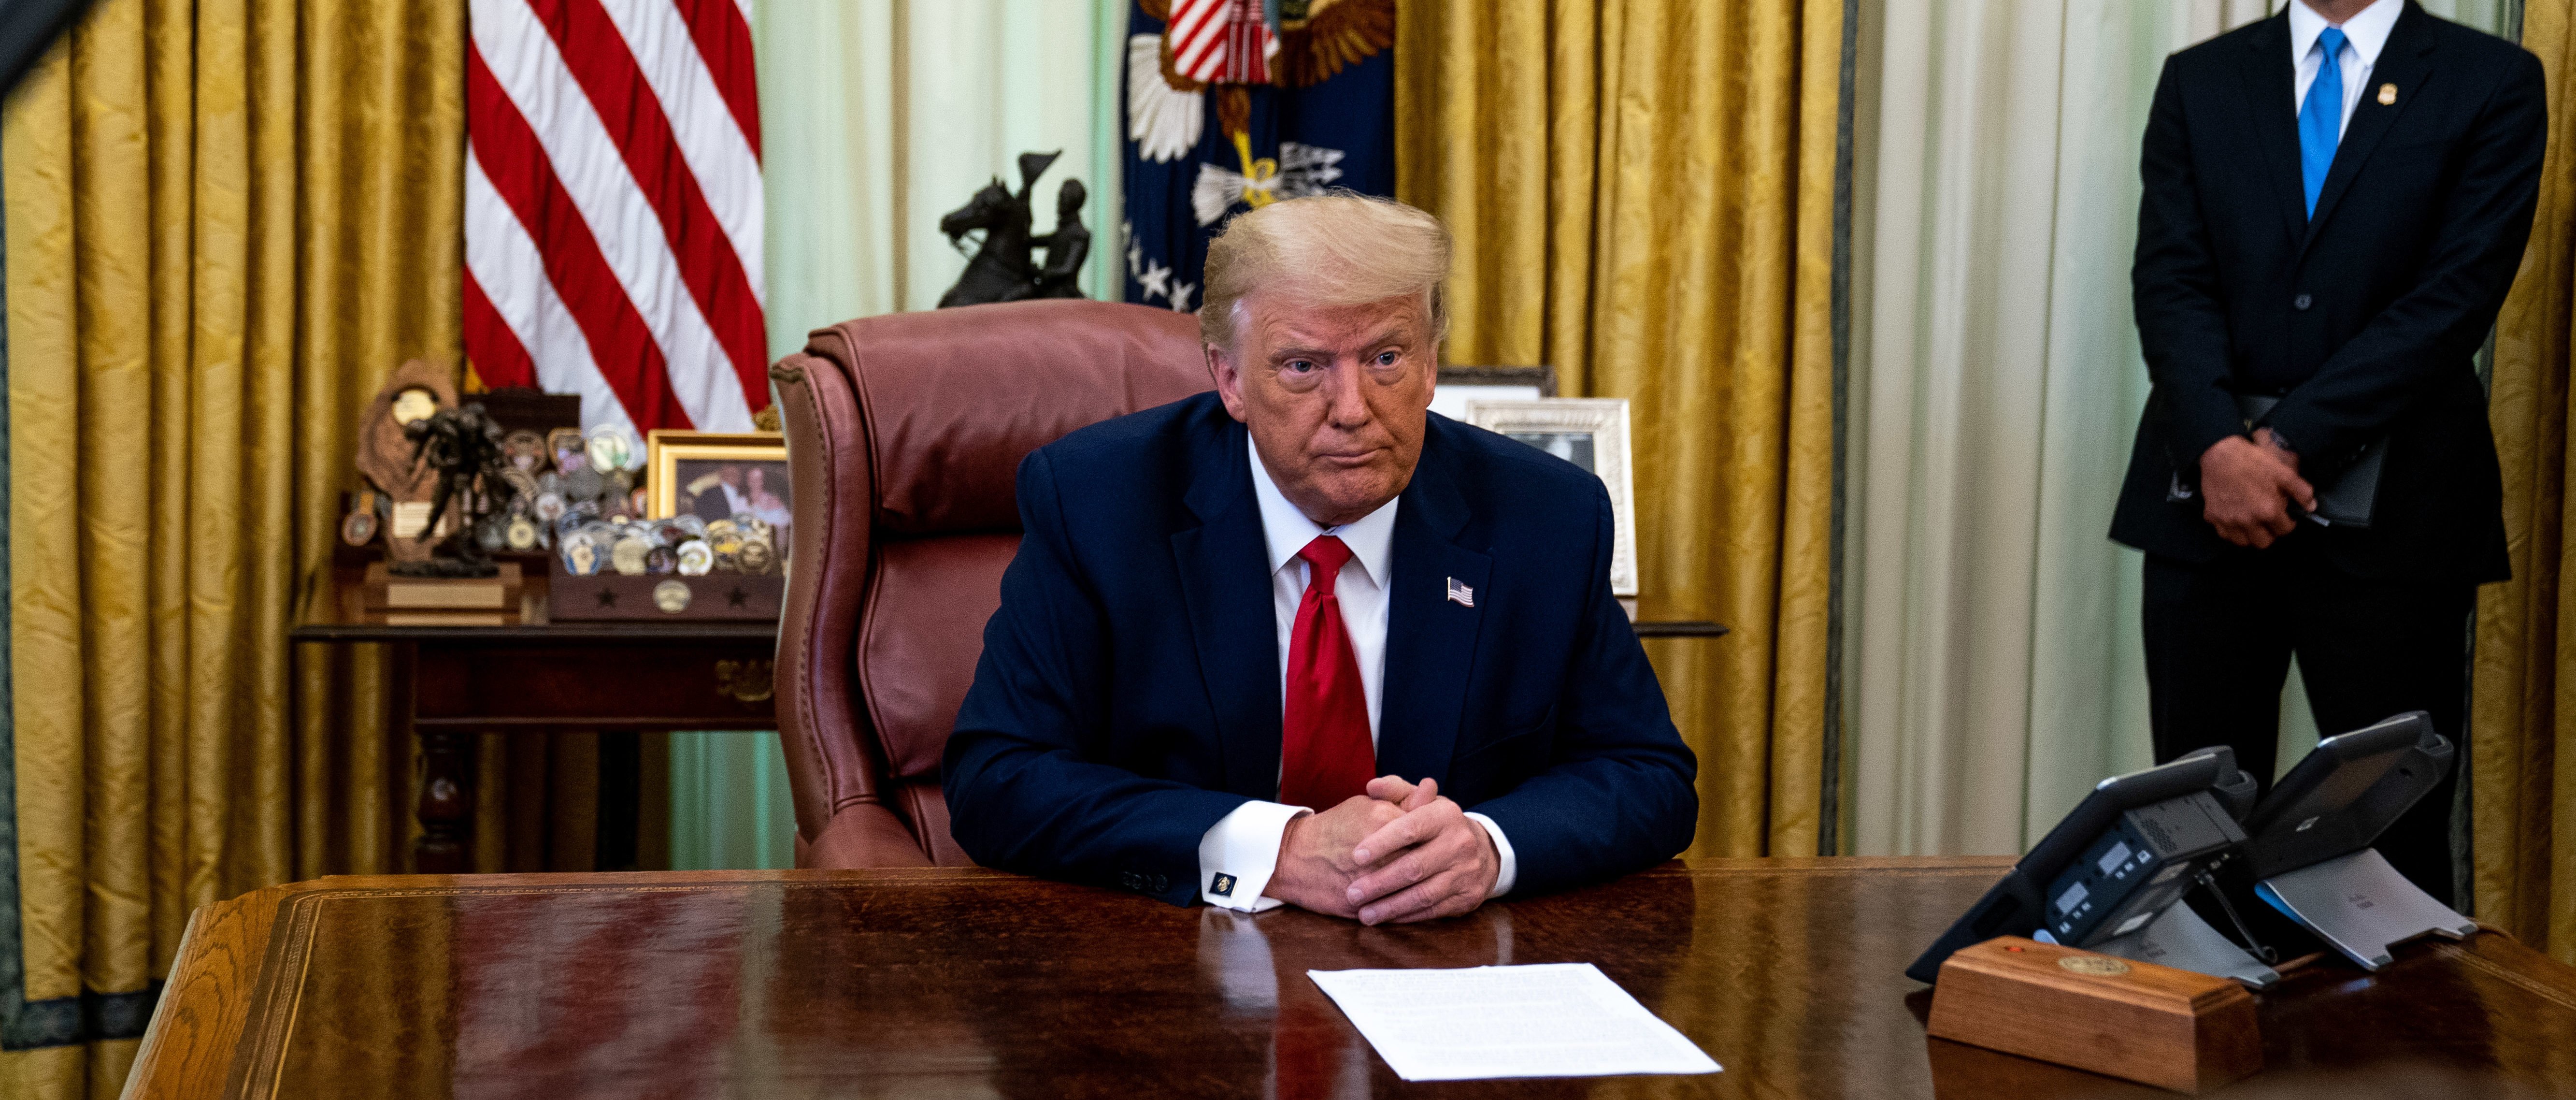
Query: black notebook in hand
2346, 499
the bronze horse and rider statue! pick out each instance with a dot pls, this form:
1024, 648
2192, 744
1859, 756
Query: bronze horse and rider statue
1002, 268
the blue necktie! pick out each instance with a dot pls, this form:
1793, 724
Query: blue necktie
2321, 117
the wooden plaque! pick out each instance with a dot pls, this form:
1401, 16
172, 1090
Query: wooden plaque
384, 456
442, 601
2170, 1028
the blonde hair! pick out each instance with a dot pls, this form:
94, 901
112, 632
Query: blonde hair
1341, 248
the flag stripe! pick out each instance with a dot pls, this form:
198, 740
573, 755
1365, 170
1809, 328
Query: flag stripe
1197, 27
627, 230
724, 42
499, 359
702, 127
597, 56
622, 346
614, 207
504, 259
1200, 55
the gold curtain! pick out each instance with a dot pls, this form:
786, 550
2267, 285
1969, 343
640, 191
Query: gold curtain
226, 221
1643, 196
2522, 722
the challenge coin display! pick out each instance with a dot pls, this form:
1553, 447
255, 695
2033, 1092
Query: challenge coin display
526, 452
358, 528
583, 484
696, 557
581, 554
568, 448
610, 448
627, 555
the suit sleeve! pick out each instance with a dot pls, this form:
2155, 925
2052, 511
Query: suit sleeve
1027, 789
2481, 227
1620, 793
2182, 325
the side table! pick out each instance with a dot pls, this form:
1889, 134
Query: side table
452, 683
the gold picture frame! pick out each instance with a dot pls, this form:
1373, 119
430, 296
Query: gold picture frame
682, 468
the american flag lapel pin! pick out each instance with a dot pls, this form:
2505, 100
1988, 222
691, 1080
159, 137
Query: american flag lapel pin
1460, 594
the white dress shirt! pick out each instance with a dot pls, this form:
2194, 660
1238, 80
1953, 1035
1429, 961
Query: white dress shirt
1243, 846
2365, 34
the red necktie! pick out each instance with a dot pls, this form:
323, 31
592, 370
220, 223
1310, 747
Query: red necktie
1324, 751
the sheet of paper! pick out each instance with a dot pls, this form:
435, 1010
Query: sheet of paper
1554, 1020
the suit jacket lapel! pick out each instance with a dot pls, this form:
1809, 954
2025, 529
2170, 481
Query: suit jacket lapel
2404, 61
1430, 639
2269, 82
1225, 580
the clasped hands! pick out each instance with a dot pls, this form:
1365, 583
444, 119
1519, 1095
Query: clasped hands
2247, 487
1398, 853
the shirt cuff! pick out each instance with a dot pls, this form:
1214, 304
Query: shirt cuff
1511, 871
1238, 854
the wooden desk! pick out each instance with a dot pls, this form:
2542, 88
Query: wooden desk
974, 983
538, 677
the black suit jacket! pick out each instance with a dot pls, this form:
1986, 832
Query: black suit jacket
2365, 318
1128, 695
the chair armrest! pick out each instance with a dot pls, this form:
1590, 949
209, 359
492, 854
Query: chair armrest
863, 835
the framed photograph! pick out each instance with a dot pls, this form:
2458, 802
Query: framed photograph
1591, 432
719, 475
1459, 385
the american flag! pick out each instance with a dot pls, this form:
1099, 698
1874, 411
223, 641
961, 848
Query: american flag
613, 208
1221, 41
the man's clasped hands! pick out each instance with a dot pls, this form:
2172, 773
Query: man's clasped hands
1398, 853
2247, 487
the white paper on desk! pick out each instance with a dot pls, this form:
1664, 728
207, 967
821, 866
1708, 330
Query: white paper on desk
1553, 1020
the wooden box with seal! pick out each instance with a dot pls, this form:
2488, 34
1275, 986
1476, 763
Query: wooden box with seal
2174, 1029
651, 597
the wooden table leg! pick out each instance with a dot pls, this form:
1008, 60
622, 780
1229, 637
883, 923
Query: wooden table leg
446, 807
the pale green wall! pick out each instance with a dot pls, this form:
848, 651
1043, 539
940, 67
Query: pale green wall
876, 117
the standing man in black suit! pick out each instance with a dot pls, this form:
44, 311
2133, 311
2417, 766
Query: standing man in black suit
2336, 199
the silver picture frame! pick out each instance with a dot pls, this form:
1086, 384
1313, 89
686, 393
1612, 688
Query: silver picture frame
1591, 432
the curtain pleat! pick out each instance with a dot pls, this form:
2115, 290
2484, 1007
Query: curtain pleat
2522, 722
228, 220
1643, 195
1995, 380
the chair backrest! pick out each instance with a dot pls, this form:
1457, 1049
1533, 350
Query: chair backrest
905, 433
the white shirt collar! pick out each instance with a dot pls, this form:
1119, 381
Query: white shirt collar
1287, 530
2367, 30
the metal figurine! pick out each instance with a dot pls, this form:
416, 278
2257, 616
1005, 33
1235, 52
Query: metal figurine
464, 447
1002, 268
1067, 247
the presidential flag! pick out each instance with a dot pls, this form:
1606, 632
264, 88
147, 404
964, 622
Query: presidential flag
613, 208
1232, 104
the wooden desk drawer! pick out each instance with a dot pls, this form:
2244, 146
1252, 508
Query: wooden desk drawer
699, 685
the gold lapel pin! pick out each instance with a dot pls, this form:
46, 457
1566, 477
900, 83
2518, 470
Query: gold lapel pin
2388, 95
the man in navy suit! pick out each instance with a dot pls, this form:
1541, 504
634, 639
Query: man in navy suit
2335, 201
1299, 641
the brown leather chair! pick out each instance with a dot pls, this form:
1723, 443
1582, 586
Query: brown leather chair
904, 434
